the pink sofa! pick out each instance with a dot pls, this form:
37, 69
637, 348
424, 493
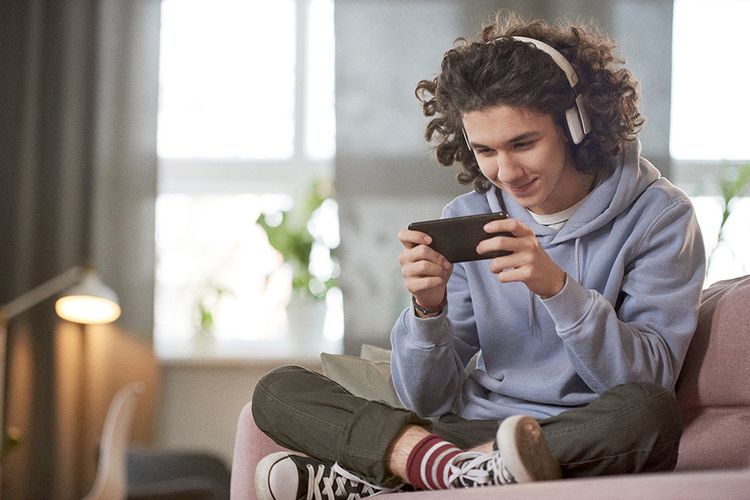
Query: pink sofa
713, 392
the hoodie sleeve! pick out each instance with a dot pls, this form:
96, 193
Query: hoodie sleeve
430, 354
645, 335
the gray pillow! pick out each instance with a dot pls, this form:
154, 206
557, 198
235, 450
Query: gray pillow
366, 378
374, 353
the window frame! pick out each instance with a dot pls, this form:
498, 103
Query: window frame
234, 175
696, 176
291, 176
701, 177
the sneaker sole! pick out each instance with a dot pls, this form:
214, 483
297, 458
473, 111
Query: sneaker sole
263, 471
524, 450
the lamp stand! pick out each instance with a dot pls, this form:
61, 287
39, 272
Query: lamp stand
13, 308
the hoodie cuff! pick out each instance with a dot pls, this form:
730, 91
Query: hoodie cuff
570, 306
427, 330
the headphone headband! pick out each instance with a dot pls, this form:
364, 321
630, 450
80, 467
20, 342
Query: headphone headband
556, 56
576, 117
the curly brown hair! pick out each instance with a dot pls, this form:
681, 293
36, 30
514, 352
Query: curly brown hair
477, 75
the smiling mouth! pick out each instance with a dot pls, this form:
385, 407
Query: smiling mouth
522, 189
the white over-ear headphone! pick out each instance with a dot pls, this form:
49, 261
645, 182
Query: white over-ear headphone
576, 117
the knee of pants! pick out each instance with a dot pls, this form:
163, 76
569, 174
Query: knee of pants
658, 402
279, 378
271, 385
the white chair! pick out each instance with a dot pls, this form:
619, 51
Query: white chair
111, 473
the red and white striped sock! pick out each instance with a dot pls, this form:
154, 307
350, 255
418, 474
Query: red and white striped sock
425, 467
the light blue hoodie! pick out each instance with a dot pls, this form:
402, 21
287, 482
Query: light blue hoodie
635, 264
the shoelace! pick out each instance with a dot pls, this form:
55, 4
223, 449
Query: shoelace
334, 485
470, 469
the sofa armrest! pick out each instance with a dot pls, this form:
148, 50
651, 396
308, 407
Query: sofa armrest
250, 445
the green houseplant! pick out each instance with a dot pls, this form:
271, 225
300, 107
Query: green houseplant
293, 235
205, 309
733, 184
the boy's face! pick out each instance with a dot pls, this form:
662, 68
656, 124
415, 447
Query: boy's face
526, 155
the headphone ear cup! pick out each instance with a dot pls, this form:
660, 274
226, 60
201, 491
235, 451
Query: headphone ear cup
578, 121
575, 127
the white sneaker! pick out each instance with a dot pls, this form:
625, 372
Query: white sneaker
293, 476
522, 456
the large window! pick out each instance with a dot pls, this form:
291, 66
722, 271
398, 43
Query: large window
710, 103
246, 126
710, 127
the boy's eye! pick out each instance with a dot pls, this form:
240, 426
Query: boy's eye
523, 145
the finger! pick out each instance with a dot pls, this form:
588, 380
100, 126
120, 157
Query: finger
516, 259
507, 243
423, 268
513, 274
418, 285
513, 226
411, 239
423, 252
523, 239
415, 254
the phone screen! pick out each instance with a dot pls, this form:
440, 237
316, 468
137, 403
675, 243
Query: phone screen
456, 238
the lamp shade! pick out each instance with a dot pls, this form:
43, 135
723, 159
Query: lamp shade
90, 302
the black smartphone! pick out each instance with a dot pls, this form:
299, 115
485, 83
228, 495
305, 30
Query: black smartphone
456, 238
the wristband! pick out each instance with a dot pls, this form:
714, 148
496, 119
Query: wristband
427, 310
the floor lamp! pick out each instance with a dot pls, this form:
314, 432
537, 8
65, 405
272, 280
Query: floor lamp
86, 301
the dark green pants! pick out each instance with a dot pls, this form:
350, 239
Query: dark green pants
630, 428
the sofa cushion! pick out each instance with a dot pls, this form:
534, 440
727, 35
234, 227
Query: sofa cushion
716, 369
715, 438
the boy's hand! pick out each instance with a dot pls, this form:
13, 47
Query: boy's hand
528, 263
425, 271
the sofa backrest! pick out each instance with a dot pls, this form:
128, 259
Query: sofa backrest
714, 389
716, 371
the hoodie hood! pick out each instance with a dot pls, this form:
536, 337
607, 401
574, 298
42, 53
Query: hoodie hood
631, 176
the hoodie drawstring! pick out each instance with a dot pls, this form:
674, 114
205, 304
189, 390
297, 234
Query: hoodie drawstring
579, 264
533, 323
